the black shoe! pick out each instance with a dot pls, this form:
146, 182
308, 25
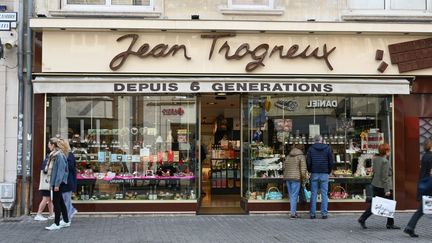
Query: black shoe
312, 217
362, 223
410, 232
392, 227
324, 217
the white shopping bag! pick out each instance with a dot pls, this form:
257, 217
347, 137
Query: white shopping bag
427, 204
383, 207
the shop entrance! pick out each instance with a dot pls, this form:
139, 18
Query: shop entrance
220, 154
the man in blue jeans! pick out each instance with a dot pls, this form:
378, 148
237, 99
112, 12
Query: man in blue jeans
319, 163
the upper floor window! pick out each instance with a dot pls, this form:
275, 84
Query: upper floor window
108, 5
251, 4
388, 10
389, 5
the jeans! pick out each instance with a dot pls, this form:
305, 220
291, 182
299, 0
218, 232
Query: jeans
59, 208
67, 198
321, 180
293, 192
415, 218
379, 192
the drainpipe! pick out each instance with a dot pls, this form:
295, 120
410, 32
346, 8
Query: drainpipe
29, 105
20, 107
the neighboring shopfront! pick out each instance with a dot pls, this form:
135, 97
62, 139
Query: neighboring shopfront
131, 105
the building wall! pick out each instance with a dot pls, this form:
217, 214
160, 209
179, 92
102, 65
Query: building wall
8, 102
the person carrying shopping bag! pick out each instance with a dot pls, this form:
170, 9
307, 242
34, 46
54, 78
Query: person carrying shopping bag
381, 183
425, 172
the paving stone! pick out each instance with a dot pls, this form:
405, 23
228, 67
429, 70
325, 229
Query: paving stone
190, 228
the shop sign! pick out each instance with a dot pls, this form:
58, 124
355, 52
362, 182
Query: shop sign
173, 112
238, 87
322, 104
255, 54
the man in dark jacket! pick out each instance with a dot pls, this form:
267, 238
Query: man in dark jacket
319, 163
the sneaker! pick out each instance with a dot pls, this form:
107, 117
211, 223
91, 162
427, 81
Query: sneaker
51, 216
73, 213
39, 217
63, 224
53, 227
312, 217
324, 217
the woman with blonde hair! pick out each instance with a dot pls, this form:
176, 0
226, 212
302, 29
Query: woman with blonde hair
71, 181
57, 170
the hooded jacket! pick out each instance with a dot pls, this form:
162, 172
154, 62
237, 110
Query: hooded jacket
295, 166
319, 159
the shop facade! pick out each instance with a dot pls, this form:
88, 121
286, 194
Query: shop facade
137, 110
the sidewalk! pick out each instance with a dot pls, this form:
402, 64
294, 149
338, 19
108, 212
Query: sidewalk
180, 228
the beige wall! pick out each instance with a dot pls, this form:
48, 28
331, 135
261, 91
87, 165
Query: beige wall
91, 52
292, 10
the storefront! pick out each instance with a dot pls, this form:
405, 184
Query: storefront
179, 122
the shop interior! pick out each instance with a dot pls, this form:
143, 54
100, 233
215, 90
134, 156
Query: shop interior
220, 154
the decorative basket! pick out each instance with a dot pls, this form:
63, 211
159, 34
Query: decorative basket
338, 192
273, 193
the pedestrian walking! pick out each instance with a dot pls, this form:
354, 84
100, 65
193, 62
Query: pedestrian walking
319, 163
425, 171
44, 188
58, 171
381, 184
295, 174
71, 185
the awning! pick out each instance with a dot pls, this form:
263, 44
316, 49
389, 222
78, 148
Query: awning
167, 85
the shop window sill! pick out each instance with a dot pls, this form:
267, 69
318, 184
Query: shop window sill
131, 201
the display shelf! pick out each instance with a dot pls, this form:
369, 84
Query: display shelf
225, 172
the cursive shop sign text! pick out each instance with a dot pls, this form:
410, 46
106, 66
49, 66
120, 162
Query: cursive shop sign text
255, 54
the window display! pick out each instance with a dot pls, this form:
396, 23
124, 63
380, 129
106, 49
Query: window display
129, 147
352, 126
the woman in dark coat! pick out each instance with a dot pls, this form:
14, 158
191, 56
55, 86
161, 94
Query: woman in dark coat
425, 171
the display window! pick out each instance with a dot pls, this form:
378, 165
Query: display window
353, 126
128, 147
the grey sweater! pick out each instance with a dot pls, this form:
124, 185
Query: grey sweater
382, 173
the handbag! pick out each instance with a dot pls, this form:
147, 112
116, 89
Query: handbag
425, 186
273, 193
427, 204
338, 193
44, 181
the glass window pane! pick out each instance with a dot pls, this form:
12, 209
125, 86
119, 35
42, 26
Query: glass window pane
86, 2
366, 4
129, 147
131, 2
408, 5
352, 126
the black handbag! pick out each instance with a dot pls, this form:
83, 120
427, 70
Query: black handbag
425, 186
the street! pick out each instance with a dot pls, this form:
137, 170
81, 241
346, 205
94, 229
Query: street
339, 227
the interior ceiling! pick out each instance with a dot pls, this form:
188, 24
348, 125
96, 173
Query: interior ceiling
210, 111
232, 101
